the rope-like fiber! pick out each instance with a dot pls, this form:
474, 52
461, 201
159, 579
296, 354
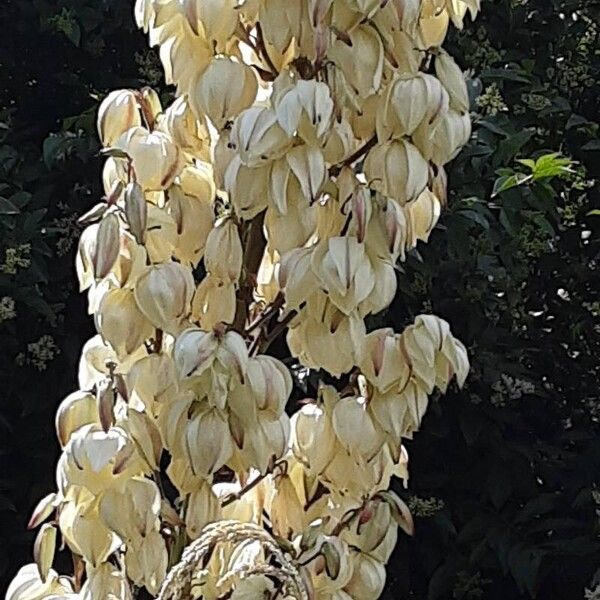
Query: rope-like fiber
179, 581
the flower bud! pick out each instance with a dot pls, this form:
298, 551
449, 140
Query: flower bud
105, 402
118, 112
407, 102
453, 79
121, 323
155, 159
44, 508
146, 562
383, 360
43, 550
344, 271
95, 459
360, 60
133, 511
105, 581
307, 109
106, 250
84, 259
194, 218
285, 509
313, 441
308, 166
223, 242
247, 187
355, 428
397, 169
27, 585
223, 90
151, 105
188, 132
368, 577
270, 382
213, 20
75, 411
266, 442
202, 508
257, 136
164, 294
136, 211
145, 435
208, 441
214, 302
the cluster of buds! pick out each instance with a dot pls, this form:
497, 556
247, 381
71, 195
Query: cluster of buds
301, 160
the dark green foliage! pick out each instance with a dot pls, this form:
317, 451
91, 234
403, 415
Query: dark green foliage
56, 59
505, 473
513, 461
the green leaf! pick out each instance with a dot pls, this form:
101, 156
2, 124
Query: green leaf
537, 506
577, 121
528, 162
507, 182
524, 564
7, 207
543, 223
442, 581
499, 485
73, 33
50, 149
551, 165
516, 75
473, 215
20, 198
591, 146
511, 146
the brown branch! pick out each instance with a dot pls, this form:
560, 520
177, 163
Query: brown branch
345, 522
269, 311
254, 243
335, 169
250, 486
276, 331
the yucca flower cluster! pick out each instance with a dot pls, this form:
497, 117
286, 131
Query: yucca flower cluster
302, 158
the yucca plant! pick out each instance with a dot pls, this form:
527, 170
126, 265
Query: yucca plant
302, 158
